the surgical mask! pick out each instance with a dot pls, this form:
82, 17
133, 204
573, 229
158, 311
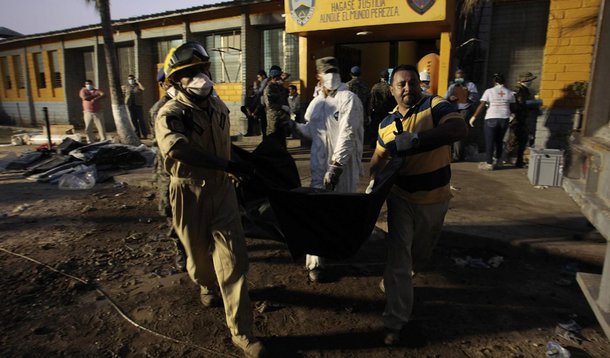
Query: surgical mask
459, 81
331, 81
527, 83
201, 85
89, 87
131, 82
172, 92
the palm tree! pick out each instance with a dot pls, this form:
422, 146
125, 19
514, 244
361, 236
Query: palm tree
124, 127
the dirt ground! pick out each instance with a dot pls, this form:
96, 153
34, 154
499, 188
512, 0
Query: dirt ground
112, 237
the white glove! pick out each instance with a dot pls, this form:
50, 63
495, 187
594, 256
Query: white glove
331, 178
406, 140
369, 188
472, 120
511, 118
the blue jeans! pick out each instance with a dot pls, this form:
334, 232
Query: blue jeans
495, 128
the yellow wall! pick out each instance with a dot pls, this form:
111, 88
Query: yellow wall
230, 92
14, 93
48, 93
569, 49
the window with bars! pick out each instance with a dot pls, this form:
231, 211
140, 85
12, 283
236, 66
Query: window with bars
225, 56
89, 66
55, 69
163, 47
6, 75
282, 49
41, 80
19, 74
127, 65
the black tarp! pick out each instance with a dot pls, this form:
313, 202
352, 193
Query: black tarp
310, 221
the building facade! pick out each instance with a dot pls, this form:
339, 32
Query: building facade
48, 70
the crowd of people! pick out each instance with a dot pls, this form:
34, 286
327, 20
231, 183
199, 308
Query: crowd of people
398, 117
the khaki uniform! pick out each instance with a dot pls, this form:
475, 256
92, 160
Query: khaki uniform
205, 210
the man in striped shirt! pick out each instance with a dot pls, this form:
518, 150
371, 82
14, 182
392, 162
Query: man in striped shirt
421, 129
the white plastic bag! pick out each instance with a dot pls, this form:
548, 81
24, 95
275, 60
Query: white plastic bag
82, 178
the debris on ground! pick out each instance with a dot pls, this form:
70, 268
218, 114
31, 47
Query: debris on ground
21, 208
477, 262
555, 350
570, 331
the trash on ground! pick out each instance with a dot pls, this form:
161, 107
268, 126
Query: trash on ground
82, 178
454, 188
21, 208
570, 331
541, 187
555, 350
477, 262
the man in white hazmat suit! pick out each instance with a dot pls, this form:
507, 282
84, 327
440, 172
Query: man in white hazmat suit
334, 123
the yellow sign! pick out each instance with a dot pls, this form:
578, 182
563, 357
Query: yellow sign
314, 15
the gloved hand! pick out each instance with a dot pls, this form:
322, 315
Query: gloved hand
472, 120
243, 170
511, 118
406, 140
331, 178
369, 189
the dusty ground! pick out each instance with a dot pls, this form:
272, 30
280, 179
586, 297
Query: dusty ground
113, 238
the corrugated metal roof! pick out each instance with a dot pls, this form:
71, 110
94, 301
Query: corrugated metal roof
190, 10
6, 33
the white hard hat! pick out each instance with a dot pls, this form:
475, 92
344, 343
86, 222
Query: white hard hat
424, 76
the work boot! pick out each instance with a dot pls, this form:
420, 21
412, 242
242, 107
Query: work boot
316, 275
209, 298
252, 347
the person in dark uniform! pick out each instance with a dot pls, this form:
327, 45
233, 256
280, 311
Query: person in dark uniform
381, 103
518, 126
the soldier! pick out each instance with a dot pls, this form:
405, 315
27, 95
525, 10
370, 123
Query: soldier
275, 98
357, 86
518, 126
381, 103
193, 136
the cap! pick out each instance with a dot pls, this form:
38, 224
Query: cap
275, 71
327, 65
424, 76
355, 71
526, 76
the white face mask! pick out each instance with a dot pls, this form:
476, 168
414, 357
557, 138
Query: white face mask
172, 92
131, 82
89, 87
331, 81
200, 86
527, 83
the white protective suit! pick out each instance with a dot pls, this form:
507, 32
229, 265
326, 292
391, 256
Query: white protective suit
336, 129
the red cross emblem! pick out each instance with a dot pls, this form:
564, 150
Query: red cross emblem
501, 93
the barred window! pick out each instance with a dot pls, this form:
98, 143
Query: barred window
19, 71
127, 64
6, 75
282, 49
225, 56
55, 69
164, 46
41, 80
89, 66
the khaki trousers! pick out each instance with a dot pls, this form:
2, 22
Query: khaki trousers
96, 118
413, 231
206, 219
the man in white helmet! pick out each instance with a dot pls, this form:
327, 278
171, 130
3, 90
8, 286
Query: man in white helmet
192, 132
335, 125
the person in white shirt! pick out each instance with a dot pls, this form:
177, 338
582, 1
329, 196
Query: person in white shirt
334, 123
499, 99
